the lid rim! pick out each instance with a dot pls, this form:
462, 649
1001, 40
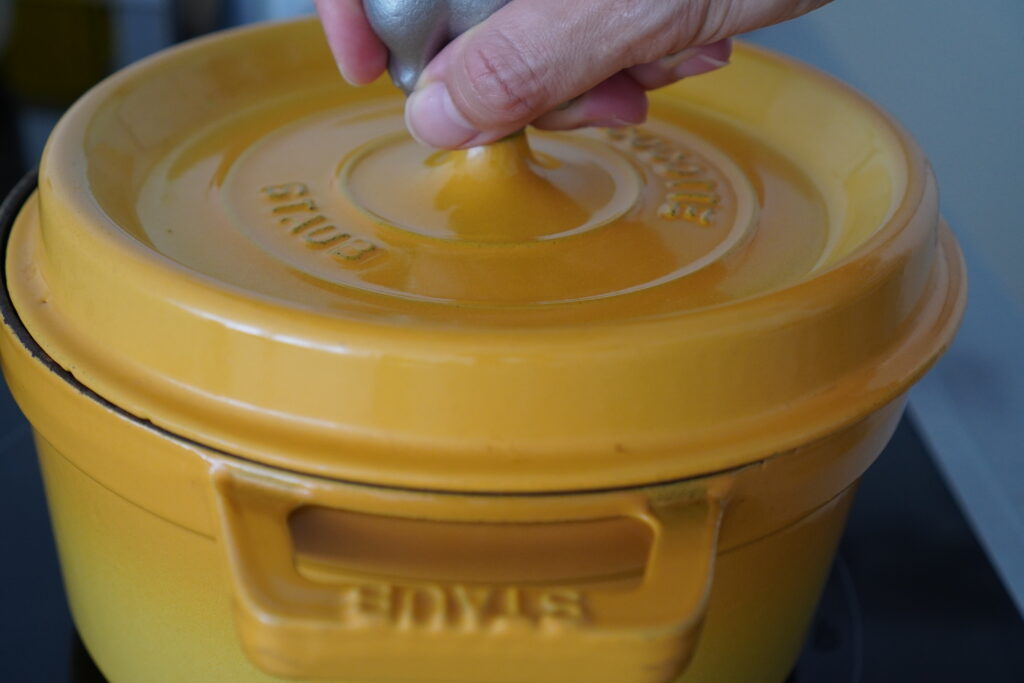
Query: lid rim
952, 307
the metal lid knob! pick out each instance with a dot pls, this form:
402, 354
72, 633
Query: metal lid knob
414, 31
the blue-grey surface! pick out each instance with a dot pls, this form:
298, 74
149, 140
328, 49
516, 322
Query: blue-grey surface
246, 11
953, 73
140, 27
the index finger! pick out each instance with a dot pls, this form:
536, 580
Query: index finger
360, 55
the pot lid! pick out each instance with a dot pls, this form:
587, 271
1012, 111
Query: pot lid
233, 244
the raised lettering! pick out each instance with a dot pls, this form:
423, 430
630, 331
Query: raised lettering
698, 215
692, 184
325, 237
285, 191
678, 169
513, 602
668, 155
307, 224
642, 140
694, 197
511, 617
686, 179
425, 606
434, 607
355, 251
563, 604
292, 206
369, 604
302, 205
472, 605
670, 210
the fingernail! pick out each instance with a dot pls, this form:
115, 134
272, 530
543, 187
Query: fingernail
347, 77
569, 104
697, 65
672, 61
433, 119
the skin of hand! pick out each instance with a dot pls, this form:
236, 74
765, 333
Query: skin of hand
555, 64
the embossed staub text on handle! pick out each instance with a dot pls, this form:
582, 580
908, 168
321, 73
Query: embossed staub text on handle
462, 608
297, 213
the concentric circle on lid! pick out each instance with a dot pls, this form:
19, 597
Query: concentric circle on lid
344, 195
234, 244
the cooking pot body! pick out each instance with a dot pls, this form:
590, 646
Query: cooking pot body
147, 551
266, 460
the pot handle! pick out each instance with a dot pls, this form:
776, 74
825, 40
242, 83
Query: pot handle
379, 628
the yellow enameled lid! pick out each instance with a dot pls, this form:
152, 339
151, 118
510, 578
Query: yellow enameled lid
232, 243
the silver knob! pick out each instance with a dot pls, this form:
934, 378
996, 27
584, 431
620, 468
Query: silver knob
414, 31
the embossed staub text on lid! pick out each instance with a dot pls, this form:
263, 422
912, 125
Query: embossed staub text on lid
338, 202
299, 214
536, 219
691, 194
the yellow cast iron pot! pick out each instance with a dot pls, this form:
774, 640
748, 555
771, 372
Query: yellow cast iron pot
314, 402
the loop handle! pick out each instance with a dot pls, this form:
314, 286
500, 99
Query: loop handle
378, 628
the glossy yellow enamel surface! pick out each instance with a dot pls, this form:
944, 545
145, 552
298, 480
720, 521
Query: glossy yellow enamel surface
641, 347
325, 404
150, 536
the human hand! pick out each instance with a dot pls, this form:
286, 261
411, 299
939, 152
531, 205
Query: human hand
555, 65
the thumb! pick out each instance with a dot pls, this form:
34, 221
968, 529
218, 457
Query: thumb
532, 56
528, 58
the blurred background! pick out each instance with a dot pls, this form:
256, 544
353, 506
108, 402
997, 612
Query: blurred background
953, 74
